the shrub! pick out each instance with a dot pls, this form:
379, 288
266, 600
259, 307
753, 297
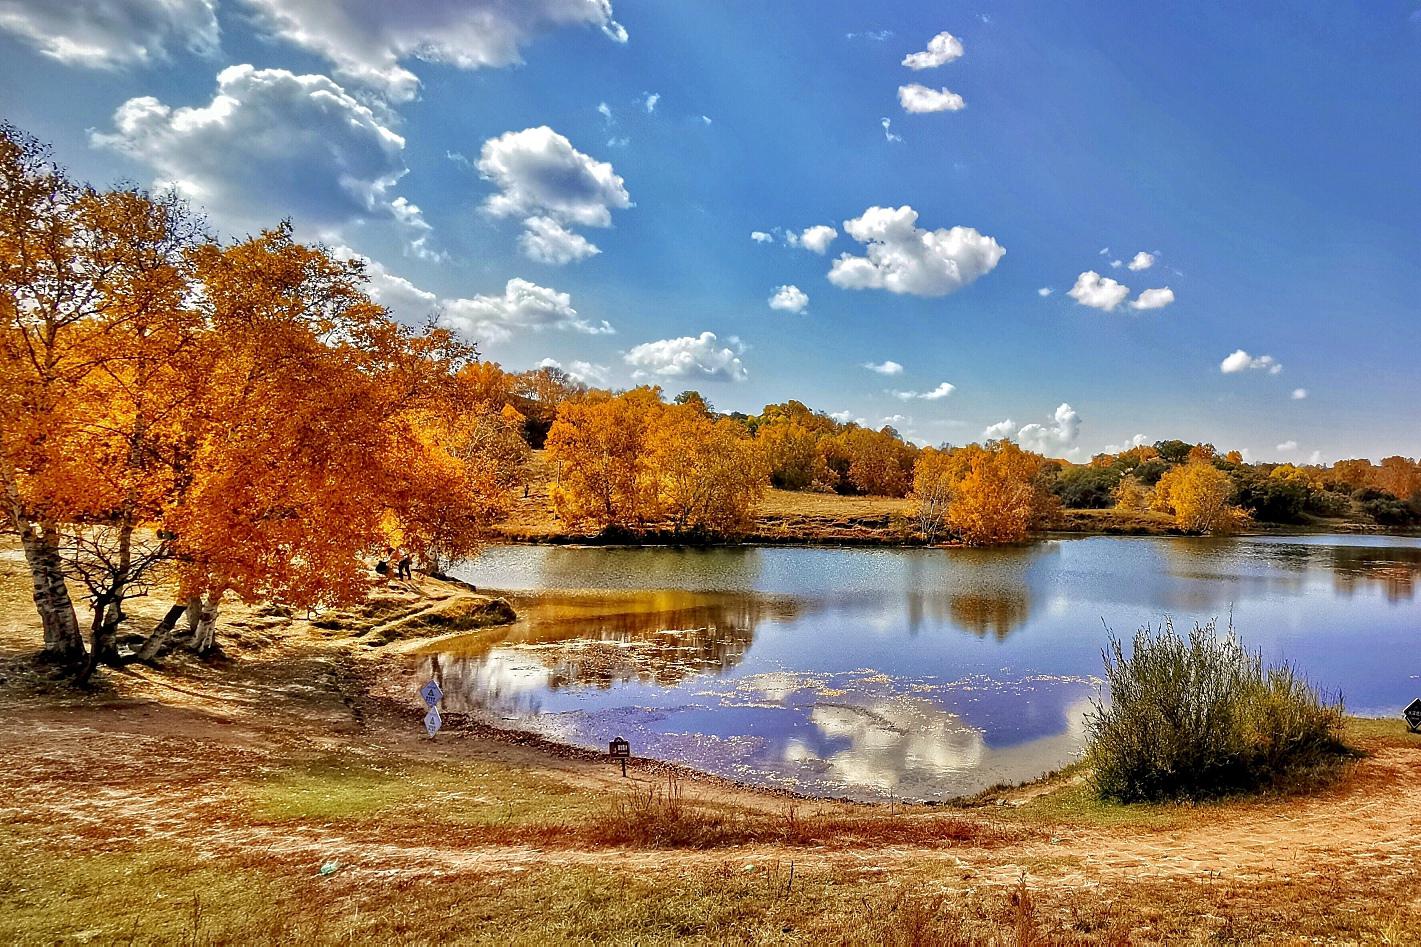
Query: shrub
1200, 716
1273, 500
1384, 508
1086, 488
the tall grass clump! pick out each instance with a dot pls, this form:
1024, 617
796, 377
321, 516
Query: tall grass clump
1199, 716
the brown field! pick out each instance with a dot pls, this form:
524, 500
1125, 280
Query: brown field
288, 794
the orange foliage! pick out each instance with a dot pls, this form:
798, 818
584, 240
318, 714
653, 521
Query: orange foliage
1197, 493
633, 462
248, 406
993, 494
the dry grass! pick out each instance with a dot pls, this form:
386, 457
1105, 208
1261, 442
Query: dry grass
658, 817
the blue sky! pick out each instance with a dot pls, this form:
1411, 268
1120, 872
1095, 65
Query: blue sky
1265, 159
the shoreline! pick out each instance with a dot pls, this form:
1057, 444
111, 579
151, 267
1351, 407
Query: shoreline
811, 540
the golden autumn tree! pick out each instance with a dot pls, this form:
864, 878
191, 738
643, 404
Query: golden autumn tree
792, 451
95, 321
997, 495
1353, 474
878, 463
633, 462
47, 279
935, 475
1197, 493
1131, 496
121, 458
456, 453
600, 449
710, 473
287, 483
986, 495
1399, 476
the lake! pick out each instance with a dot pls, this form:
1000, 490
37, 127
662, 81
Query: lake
902, 673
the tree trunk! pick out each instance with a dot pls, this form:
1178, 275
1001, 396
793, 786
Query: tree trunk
204, 639
120, 580
103, 643
63, 641
159, 636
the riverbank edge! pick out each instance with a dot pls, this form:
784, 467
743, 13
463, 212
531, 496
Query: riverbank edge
656, 540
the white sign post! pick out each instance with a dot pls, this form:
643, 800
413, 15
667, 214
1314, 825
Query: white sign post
432, 721
431, 693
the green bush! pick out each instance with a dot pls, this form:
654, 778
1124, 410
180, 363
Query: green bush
1086, 488
1199, 716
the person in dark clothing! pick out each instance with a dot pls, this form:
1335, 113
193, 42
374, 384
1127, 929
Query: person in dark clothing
402, 568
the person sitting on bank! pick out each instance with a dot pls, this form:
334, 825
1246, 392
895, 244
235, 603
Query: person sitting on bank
382, 567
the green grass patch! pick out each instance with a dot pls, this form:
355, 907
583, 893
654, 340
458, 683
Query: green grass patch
337, 789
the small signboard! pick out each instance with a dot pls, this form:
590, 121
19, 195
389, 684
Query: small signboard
620, 749
432, 721
1413, 715
431, 693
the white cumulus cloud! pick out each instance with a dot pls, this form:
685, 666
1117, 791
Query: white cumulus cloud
1241, 361
106, 34
406, 301
370, 40
693, 356
887, 367
888, 133
1044, 291
1153, 299
272, 144
817, 238
918, 98
760, 236
789, 298
585, 372
942, 48
1142, 261
995, 432
1139, 440
524, 306
1057, 435
1299, 394
542, 178
1287, 447
547, 241
937, 394
1098, 292
903, 258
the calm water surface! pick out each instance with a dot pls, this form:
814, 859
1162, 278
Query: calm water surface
921, 674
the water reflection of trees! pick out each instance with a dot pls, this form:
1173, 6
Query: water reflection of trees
998, 615
1223, 571
1394, 569
602, 640
983, 591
